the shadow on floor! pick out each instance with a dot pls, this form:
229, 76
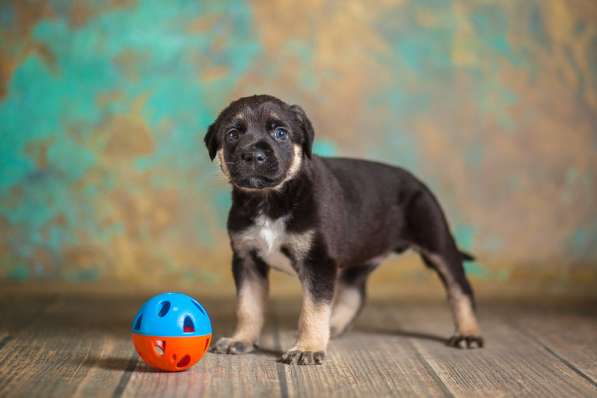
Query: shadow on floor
401, 333
268, 351
117, 364
133, 364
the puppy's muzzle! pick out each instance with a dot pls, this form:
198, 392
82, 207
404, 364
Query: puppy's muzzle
256, 166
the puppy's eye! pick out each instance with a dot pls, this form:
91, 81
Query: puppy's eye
232, 135
280, 133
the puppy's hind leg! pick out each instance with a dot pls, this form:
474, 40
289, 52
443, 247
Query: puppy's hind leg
428, 230
349, 297
460, 296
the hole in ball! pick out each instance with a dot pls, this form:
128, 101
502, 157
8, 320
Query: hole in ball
159, 346
184, 361
165, 307
188, 326
138, 322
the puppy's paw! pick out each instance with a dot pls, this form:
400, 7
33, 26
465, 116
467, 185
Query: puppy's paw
460, 341
226, 345
302, 357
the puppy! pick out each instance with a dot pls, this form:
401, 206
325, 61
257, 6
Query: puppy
329, 221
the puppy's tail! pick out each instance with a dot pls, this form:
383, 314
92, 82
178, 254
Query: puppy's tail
466, 256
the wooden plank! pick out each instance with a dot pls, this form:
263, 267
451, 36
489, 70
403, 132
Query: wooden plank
511, 364
16, 314
360, 363
109, 370
55, 352
568, 333
216, 375
18, 311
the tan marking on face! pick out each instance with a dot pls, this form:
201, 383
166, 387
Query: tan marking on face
314, 325
250, 309
347, 301
295, 166
223, 165
462, 307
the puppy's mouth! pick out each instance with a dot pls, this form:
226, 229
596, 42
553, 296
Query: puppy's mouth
256, 182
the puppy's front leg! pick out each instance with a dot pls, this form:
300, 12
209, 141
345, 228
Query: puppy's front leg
250, 276
314, 320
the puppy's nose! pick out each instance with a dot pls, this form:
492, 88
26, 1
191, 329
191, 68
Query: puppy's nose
253, 156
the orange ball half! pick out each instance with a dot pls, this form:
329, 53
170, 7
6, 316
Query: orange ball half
172, 354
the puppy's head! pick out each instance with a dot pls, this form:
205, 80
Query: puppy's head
260, 142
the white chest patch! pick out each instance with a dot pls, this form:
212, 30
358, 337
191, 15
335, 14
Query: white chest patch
267, 237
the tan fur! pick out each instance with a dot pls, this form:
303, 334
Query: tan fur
347, 301
314, 325
295, 166
462, 308
250, 310
463, 312
223, 165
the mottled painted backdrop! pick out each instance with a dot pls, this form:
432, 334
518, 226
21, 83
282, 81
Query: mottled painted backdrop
103, 105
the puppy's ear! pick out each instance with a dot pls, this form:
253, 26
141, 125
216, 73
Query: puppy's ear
306, 127
211, 141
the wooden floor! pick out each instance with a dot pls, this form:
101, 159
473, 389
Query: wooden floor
61, 346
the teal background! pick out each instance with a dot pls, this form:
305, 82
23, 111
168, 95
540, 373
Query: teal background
103, 106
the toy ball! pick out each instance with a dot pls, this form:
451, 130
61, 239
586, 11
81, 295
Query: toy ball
171, 331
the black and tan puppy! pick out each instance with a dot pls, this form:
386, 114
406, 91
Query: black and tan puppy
329, 221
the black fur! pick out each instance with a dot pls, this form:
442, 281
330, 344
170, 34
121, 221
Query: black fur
241, 271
